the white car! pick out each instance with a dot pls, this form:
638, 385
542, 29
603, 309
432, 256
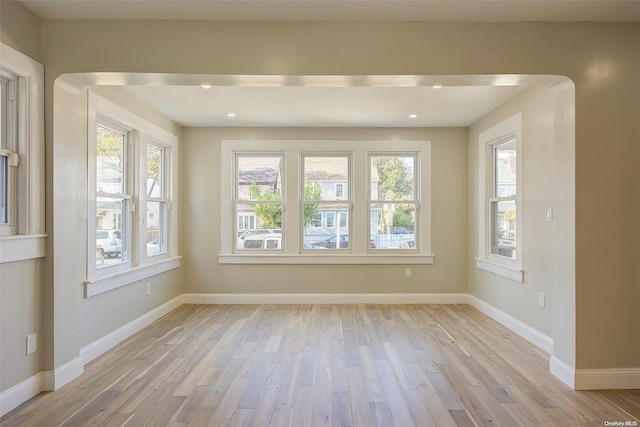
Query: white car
109, 242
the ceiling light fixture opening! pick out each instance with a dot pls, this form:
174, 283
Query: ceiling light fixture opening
231, 115
437, 86
205, 86
413, 116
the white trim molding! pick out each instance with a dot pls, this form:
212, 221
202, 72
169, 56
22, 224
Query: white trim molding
599, 379
22, 247
387, 259
525, 331
97, 348
562, 371
346, 298
595, 379
20, 393
53, 380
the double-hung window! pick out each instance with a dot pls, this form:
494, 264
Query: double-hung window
326, 202
320, 195
132, 171
393, 201
8, 153
22, 221
500, 196
114, 192
258, 201
157, 203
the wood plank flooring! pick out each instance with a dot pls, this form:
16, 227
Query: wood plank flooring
323, 365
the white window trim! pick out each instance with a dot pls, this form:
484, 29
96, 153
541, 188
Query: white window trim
360, 252
28, 242
140, 266
486, 260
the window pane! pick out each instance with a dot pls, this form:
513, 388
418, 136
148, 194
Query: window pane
156, 228
110, 150
392, 177
155, 165
259, 178
111, 232
505, 169
503, 240
333, 221
266, 231
393, 225
326, 178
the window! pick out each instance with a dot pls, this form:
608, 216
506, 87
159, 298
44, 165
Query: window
393, 201
258, 195
326, 202
114, 199
157, 199
21, 157
8, 153
500, 194
320, 195
132, 225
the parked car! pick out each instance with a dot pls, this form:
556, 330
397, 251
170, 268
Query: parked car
401, 244
255, 232
153, 248
330, 243
263, 241
109, 242
399, 230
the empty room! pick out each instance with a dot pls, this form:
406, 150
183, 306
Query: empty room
319, 213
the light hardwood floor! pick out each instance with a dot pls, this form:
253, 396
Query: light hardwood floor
310, 365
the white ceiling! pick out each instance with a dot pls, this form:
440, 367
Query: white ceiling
341, 10
193, 106
332, 102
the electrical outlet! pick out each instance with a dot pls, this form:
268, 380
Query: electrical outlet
407, 272
32, 343
148, 289
541, 299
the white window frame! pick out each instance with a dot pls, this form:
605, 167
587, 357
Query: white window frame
293, 253
140, 266
163, 200
329, 215
252, 199
415, 201
510, 128
25, 238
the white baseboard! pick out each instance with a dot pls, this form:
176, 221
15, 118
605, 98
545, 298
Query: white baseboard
562, 371
599, 379
20, 393
96, 348
525, 331
386, 298
53, 380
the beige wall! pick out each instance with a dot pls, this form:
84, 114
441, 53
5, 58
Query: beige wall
520, 300
80, 321
20, 29
201, 187
21, 283
601, 58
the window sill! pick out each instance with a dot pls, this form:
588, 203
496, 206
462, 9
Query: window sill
99, 285
325, 259
508, 271
22, 247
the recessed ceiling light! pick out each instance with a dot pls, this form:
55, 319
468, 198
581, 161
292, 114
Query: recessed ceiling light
413, 116
231, 115
437, 86
205, 86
